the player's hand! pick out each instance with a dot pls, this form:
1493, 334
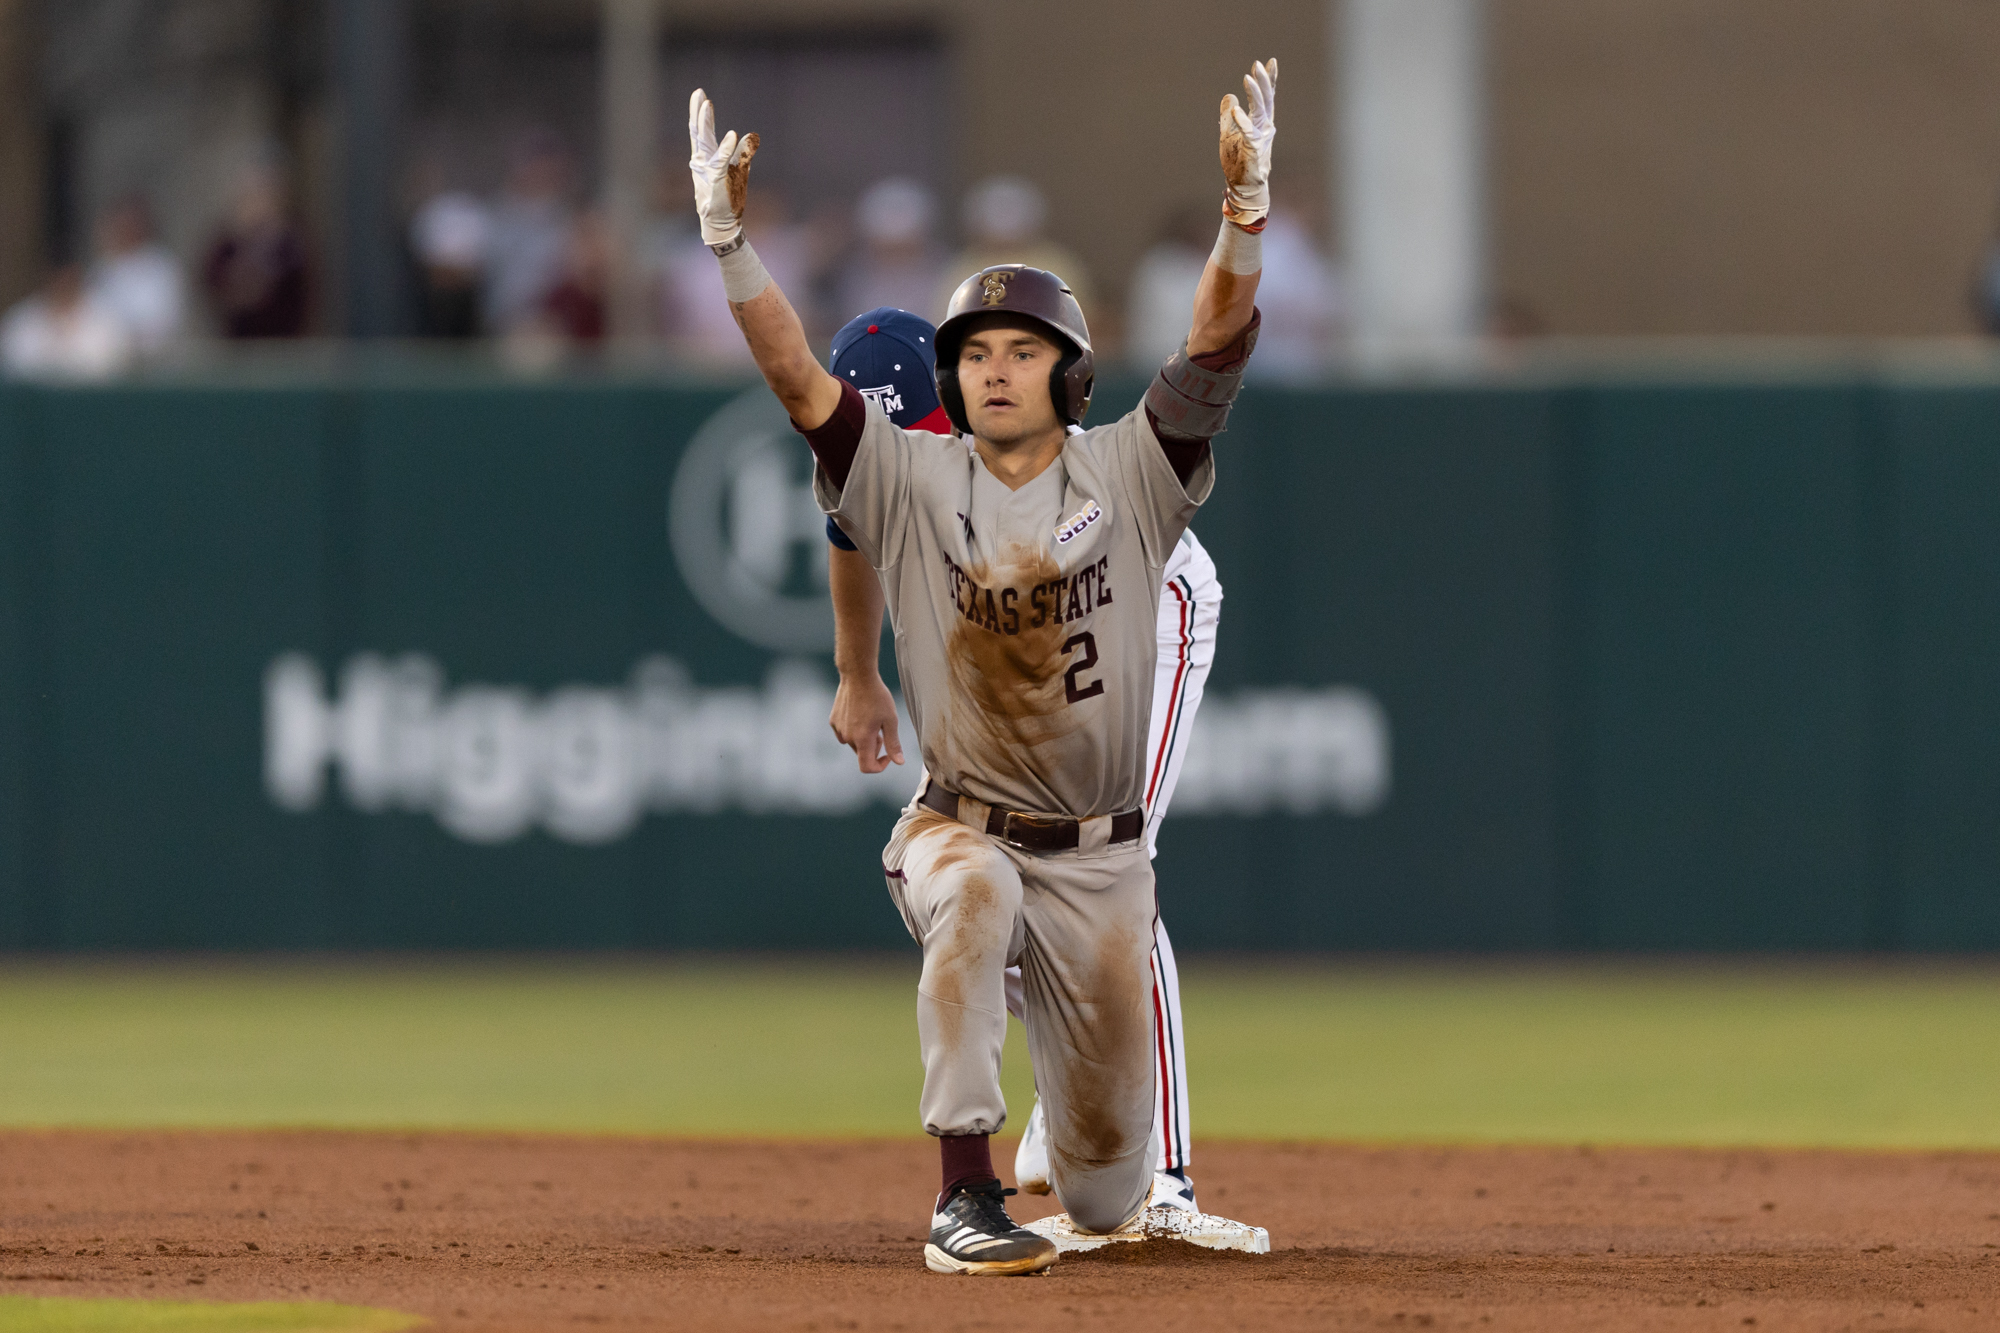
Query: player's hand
1246, 146
721, 172
864, 720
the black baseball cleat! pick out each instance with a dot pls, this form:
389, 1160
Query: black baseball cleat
971, 1233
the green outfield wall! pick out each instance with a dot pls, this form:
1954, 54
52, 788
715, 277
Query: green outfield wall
1571, 664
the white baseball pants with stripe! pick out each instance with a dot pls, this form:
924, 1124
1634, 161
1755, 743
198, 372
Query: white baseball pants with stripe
1190, 608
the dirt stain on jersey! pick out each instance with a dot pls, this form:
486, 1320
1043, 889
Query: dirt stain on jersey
1008, 692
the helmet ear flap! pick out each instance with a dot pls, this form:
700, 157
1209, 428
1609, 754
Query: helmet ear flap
951, 395
1063, 394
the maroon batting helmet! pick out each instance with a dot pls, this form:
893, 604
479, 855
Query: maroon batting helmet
1016, 289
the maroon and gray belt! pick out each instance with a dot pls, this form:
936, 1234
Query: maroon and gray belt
1034, 833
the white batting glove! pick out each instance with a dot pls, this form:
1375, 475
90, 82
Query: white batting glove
721, 173
1246, 147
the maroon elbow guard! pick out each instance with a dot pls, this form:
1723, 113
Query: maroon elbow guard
836, 440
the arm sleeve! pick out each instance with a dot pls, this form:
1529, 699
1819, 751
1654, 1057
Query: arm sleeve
839, 538
835, 440
863, 475
1184, 456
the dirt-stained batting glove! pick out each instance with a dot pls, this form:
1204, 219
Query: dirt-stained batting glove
1246, 147
721, 173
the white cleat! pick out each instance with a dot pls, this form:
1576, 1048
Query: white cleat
1173, 1190
1158, 1221
1031, 1159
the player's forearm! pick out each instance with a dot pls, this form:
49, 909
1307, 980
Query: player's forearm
864, 712
1227, 297
1188, 405
777, 341
857, 614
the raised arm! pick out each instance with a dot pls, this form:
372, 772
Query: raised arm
1227, 297
777, 340
1188, 404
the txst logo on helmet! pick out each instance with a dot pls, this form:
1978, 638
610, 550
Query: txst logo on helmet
1086, 516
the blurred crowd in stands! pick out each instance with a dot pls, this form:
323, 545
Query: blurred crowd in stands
530, 267
130, 305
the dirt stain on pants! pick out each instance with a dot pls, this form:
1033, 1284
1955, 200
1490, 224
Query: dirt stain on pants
1081, 926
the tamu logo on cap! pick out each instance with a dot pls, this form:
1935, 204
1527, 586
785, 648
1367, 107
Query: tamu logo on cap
887, 397
889, 357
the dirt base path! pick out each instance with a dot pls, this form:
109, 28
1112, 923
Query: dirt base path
493, 1234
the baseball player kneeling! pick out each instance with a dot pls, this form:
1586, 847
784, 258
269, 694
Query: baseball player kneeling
887, 355
1022, 578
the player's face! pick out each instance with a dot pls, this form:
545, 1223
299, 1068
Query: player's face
1004, 372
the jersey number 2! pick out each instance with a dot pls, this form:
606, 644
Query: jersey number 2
1071, 690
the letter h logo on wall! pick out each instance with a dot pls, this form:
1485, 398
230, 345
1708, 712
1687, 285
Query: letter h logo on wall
746, 532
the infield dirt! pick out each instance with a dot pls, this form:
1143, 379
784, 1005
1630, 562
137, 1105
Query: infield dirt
495, 1233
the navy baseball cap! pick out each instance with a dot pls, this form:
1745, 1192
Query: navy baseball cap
889, 356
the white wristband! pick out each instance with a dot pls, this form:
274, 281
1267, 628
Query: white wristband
1237, 250
743, 274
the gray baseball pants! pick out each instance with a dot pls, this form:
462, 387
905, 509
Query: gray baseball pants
1080, 926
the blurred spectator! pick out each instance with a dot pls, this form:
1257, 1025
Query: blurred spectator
695, 309
137, 279
1305, 310
828, 232
576, 306
449, 237
669, 226
1004, 216
63, 332
1161, 305
898, 263
256, 268
529, 236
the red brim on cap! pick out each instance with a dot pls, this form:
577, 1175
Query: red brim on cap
937, 423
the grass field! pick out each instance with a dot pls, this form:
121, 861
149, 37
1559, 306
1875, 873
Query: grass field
1850, 1054
59, 1314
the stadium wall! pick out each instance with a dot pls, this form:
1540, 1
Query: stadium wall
1630, 665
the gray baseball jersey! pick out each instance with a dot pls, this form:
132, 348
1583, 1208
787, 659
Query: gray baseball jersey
1025, 619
